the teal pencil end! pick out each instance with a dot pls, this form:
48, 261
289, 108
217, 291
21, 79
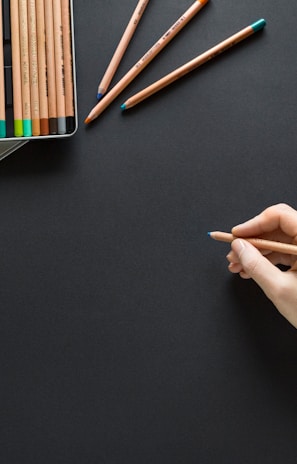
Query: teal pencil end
123, 107
209, 234
258, 25
2, 129
27, 127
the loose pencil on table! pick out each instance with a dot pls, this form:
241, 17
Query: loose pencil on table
121, 48
193, 64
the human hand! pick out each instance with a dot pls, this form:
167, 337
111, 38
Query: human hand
279, 223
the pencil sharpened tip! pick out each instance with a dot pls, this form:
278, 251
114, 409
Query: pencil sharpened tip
87, 120
123, 107
258, 25
209, 234
99, 96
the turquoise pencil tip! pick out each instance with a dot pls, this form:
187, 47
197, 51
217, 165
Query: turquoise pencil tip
258, 25
2, 129
123, 107
209, 234
27, 127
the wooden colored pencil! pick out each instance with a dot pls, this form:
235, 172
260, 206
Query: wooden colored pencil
59, 67
68, 64
34, 85
2, 83
193, 64
259, 243
51, 68
25, 67
121, 48
16, 69
42, 69
145, 60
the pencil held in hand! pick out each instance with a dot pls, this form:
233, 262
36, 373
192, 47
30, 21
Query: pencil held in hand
259, 243
193, 64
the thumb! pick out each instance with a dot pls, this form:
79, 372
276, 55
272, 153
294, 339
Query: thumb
256, 266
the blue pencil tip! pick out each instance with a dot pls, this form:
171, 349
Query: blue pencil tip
123, 106
209, 234
99, 96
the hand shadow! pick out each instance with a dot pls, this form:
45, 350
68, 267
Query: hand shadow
272, 340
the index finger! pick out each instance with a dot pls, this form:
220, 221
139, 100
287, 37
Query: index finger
280, 217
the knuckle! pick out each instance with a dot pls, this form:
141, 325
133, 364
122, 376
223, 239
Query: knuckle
280, 206
280, 291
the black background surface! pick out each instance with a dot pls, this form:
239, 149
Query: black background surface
123, 337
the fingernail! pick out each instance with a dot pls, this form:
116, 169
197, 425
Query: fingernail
238, 246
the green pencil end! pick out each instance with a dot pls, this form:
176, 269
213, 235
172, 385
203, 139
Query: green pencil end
18, 128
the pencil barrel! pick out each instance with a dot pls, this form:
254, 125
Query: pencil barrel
261, 244
122, 46
188, 67
193, 64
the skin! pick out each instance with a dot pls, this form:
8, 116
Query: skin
278, 222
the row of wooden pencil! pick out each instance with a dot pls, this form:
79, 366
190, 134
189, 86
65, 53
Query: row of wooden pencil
42, 68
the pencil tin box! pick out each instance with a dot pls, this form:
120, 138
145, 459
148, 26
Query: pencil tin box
37, 72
